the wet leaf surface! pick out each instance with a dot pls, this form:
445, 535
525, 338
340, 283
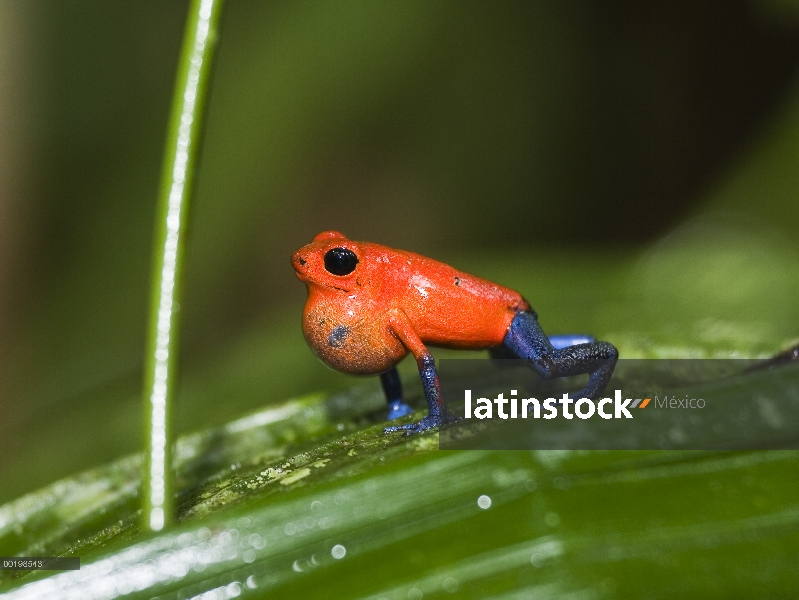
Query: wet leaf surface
310, 499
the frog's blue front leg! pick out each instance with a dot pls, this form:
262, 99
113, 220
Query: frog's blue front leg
526, 339
392, 387
432, 392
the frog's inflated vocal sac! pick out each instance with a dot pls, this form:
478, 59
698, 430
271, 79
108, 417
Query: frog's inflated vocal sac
369, 305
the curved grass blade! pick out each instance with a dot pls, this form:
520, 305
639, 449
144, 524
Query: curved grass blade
182, 149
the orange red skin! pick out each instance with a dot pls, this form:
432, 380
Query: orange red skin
395, 302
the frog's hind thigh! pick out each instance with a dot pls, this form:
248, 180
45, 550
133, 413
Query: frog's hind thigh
572, 339
558, 342
550, 359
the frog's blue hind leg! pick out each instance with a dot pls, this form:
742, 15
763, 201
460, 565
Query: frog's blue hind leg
392, 386
558, 342
526, 340
564, 341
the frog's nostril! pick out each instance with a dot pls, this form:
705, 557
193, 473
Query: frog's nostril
302, 261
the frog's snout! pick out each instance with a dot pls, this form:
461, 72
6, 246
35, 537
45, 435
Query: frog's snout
298, 261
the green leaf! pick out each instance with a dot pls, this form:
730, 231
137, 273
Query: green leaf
310, 499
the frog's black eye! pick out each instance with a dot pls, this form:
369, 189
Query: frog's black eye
340, 261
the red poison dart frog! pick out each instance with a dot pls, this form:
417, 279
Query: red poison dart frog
369, 305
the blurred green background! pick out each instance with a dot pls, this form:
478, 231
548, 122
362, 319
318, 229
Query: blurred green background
632, 168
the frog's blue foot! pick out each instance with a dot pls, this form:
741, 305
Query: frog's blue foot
548, 358
428, 422
397, 409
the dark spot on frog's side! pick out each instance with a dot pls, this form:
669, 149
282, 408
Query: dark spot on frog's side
458, 281
338, 336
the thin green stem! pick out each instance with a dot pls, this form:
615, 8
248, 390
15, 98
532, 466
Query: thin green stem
177, 178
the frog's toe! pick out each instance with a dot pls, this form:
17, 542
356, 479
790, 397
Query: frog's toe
410, 428
397, 409
429, 422
407, 428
